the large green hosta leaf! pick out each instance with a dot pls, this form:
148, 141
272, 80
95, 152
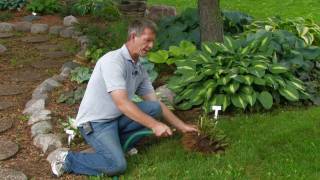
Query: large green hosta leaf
220, 100
266, 100
289, 93
160, 56
239, 101
278, 68
250, 98
232, 87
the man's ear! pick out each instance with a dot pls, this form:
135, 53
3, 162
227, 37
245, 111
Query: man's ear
132, 35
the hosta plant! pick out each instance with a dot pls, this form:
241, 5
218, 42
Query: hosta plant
12, 4
306, 29
242, 73
44, 6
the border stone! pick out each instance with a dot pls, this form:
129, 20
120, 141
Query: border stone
39, 28
23, 26
42, 127
10, 174
6, 27
47, 142
37, 106
35, 39
5, 124
67, 32
6, 35
8, 149
69, 20
31, 18
42, 115
55, 30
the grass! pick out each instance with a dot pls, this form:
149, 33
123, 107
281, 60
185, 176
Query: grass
258, 9
278, 145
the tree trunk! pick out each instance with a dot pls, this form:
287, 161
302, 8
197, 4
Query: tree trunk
211, 22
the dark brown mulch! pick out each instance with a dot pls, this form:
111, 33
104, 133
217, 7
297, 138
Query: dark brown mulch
202, 143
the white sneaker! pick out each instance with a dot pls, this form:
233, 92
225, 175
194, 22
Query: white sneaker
58, 163
132, 151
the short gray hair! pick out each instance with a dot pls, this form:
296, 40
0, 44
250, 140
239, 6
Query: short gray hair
138, 25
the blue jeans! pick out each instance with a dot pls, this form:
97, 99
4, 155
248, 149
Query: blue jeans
107, 139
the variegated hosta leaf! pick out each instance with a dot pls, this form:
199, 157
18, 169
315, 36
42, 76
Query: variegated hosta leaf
239, 101
266, 99
289, 93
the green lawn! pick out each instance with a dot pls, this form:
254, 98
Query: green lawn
282, 145
258, 8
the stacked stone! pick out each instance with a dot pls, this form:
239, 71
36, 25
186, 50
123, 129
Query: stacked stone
133, 8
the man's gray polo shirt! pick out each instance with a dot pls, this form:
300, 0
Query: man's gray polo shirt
115, 70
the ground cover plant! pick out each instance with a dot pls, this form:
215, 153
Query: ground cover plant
12, 4
44, 6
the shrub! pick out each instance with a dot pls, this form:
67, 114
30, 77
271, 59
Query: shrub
12, 4
256, 70
44, 6
81, 74
172, 30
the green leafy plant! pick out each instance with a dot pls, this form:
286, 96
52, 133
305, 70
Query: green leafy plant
72, 97
44, 6
252, 71
186, 27
306, 29
81, 74
12, 4
105, 9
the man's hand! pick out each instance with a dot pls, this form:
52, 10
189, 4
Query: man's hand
189, 128
161, 130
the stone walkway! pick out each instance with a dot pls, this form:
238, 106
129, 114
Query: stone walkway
26, 60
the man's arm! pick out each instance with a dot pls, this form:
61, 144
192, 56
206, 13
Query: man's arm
120, 98
170, 117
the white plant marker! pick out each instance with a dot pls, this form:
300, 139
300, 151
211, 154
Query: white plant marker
33, 13
71, 135
216, 111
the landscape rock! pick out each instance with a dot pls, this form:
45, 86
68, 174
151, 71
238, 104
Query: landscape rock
31, 18
55, 30
53, 154
6, 35
42, 115
5, 124
23, 26
10, 174
155, 13
165, 93
59, 78
69, 20
83, 40
35, 39
2, 48
36, 106
6, 27
42, 127
67, 32
69, 65
5, 105
8, 149
39, 28
47, 142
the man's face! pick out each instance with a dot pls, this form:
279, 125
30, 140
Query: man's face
144, 42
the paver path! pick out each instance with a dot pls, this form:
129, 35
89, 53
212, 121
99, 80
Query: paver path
28, 60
